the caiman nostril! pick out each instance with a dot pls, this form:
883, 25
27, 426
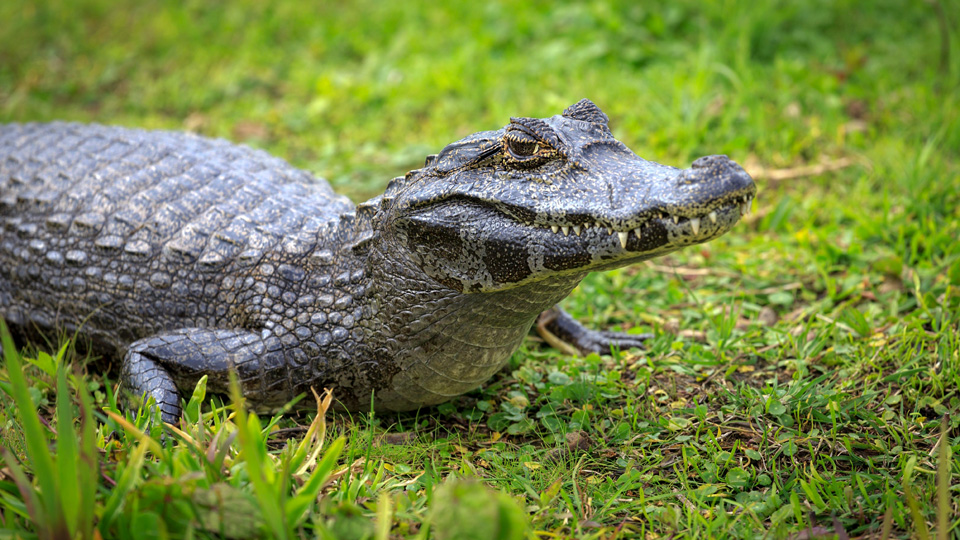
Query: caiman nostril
709, 161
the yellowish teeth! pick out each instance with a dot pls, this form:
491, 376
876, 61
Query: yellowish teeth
623, 236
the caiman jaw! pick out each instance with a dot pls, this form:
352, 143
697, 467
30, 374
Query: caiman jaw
702, 226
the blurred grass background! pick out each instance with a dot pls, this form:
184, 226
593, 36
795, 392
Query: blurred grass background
359, 91
821, 394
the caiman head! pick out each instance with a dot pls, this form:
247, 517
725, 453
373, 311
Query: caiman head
553, 198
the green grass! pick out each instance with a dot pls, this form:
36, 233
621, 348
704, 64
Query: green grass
805, 371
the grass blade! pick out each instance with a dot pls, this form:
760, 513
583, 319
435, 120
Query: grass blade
315, 434
919, 524
251, 443
191, 413
296, 507
124, 485
68, 457
384, 516
89, 472
34, 433
31, 502
943, 480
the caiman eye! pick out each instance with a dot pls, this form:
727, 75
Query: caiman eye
521, 145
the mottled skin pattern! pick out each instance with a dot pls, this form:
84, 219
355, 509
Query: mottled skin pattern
188, 256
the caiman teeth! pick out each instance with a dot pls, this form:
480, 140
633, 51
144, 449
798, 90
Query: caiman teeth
744, 205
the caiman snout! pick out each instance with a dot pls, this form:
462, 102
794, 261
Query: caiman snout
711, 180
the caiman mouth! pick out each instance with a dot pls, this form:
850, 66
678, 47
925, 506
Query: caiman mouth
701, 226
478, 245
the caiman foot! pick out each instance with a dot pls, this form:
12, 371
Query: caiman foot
167, 366
562, 331
142, 376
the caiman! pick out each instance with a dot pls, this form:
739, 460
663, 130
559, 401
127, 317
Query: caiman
186, 256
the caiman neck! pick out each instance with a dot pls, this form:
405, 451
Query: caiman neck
443, 342
406, 290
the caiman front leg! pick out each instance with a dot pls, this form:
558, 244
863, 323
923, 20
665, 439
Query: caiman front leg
568, 330
167, 366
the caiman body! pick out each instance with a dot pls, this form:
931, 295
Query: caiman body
187, 256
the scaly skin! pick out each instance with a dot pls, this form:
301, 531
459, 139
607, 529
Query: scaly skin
187, 256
